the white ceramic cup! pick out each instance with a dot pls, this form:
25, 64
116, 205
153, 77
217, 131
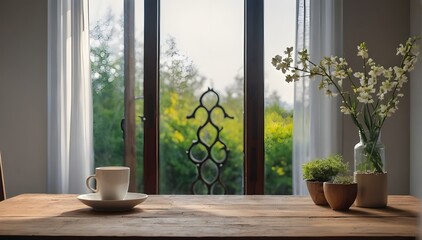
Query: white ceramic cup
112, 182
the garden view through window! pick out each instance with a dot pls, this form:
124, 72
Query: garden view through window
201, 46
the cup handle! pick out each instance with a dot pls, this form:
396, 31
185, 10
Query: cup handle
87, 183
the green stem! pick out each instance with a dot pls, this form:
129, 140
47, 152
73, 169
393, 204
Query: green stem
374, 155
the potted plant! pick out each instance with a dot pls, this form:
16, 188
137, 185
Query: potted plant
369, 97
341, 192
320, 170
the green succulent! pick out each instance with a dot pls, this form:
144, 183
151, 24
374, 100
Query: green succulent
324, 169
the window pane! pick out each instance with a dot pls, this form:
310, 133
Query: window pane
106, 42
201, 47
139, 91
107, 73
279, 33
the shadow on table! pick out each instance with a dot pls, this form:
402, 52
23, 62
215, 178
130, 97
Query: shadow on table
377, 212
91, 212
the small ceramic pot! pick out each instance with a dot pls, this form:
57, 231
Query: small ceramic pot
340, 196
317, 192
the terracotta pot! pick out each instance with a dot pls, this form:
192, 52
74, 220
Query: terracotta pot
340, 196
317, 192
372, 190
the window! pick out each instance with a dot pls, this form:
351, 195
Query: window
279, 31
112, 73
201, 46
190, 45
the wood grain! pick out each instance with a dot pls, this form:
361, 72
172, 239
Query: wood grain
223, 217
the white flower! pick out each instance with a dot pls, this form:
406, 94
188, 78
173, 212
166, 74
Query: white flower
387, 110
401, 50
403, 79
409, 63
342, 62
340, 74
376, 71
288, 60
365, 97
392, 107
361, 77
372, 80
386, 86
388, 73
289, 51
391, 110
296, 77
363, 54
345, 110
314, 71
382, 110
398, 71
292, 77
330, 93
304, 58
362, 51
365, 94
326, 62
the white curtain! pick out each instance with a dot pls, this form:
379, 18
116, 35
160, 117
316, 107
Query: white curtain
317, 119
70, 147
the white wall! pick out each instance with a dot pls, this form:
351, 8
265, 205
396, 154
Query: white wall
23, 95
416, 106
382, 24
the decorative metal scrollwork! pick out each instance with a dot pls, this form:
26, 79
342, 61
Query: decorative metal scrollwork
123, 122
202, 151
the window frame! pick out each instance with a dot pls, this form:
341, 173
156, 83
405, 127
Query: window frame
151, 95
129, 91
254, 165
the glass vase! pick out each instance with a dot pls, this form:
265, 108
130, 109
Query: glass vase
370, 174
370, 154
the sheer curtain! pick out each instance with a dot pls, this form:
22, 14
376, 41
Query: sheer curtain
317, 120
70, 148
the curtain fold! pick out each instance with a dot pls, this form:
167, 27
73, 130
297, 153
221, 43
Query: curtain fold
317, 120
70, 140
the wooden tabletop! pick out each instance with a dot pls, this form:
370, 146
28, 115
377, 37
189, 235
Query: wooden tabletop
47, 216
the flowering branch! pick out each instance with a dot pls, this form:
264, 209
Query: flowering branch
371, 100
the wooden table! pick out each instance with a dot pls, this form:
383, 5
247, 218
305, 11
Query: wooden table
45, 216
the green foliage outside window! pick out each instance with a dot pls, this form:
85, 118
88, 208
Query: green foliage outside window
179, 82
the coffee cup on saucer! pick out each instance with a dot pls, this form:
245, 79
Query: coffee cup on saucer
112, 182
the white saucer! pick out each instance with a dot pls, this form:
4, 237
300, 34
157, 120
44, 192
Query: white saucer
94, 200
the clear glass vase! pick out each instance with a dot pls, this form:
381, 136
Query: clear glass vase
370, 154
370, 174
